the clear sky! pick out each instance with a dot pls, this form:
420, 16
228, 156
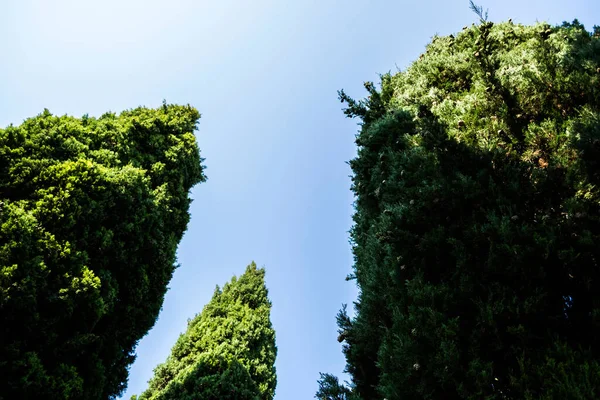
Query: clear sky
264, 75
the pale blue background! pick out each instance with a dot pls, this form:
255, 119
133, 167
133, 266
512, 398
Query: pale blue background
264, 75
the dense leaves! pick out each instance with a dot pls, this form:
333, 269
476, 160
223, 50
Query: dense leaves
228, 350
477, 221
91, 212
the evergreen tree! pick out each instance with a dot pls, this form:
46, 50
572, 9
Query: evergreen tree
91, 212
228, 350
477, 220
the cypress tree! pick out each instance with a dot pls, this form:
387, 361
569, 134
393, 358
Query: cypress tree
477, 220
91, 212
228, 350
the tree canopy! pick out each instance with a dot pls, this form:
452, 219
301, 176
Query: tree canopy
228, 350
91, 213
477, 221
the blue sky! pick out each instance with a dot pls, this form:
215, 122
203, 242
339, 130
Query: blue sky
264, 75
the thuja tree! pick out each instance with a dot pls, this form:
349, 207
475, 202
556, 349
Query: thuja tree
477, 221
228, 350
91, 212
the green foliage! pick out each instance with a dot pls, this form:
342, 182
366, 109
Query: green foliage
228, 350
477, 220
91, 212
331, 389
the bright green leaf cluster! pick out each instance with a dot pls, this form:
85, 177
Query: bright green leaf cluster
91, 212
228, 350
477, 221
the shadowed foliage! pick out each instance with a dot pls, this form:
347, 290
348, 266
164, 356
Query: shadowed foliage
91, 213
477, 220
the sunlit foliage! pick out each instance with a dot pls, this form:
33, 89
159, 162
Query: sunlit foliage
228, 351
91, 212
477, 221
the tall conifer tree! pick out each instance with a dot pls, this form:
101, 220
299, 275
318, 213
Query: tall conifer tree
91, 212
477, 221
228, 350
